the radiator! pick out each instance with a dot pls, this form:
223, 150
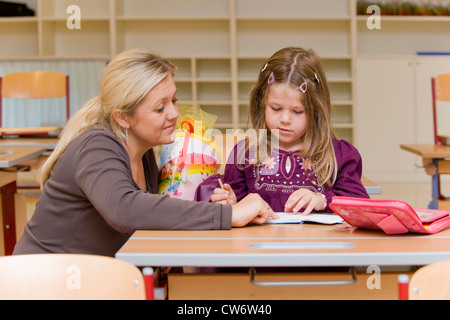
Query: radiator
85, 76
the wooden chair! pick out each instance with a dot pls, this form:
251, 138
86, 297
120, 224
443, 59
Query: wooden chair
34, 85
440, 91
69, 277
431, 282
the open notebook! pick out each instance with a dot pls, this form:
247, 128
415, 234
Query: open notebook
391, 216
322, 218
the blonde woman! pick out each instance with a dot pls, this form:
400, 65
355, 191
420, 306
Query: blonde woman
308, 165
100, 183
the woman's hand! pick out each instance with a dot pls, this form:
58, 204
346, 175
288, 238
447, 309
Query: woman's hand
305, 198
224, 196
251, 209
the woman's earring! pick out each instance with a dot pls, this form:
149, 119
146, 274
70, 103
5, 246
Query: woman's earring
126, 134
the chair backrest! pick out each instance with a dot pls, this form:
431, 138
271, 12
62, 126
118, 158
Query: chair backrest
440, 91
431, 282
442, 87
35, 85
69, 277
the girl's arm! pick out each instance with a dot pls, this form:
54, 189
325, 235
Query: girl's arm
348, 182
234, 174
305, 198
224, 195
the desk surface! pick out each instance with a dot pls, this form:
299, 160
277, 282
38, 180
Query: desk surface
371, 187
47, 143
284, 246
428, 150
12, 156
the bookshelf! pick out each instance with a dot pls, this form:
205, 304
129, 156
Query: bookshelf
219, 46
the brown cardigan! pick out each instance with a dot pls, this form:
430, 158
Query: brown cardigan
91, 204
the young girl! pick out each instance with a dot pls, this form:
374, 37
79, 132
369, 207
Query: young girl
306, 166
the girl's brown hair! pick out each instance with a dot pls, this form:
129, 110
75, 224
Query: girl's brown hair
296, 66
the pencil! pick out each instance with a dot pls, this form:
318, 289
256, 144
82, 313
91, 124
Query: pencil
221, 185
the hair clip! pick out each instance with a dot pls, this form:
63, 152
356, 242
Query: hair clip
304, 87
317, 79
265, 67
271, 79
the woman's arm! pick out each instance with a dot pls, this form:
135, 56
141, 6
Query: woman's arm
104, 175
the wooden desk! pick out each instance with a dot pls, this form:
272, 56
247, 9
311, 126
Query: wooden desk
284, 245
10, 157
46, 143
429, 151
371, 187
439, 155
306, 245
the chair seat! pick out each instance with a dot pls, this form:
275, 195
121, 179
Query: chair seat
69, 277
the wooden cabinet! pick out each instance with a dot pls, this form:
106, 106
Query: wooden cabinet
386, 115
394, 106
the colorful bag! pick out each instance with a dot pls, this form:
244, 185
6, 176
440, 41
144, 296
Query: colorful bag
190, 159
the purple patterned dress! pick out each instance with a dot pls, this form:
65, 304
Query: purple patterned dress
285, 172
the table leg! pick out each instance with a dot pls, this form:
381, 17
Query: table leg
9, 219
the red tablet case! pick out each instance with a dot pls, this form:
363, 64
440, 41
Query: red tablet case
391, 216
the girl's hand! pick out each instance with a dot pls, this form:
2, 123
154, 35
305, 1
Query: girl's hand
224, 196
251, 209
305, 198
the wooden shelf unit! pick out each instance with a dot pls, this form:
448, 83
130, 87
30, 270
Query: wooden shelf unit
220, 45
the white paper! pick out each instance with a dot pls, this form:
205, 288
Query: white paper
322, 218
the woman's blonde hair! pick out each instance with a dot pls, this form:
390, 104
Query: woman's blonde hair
127, 80
297, 66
